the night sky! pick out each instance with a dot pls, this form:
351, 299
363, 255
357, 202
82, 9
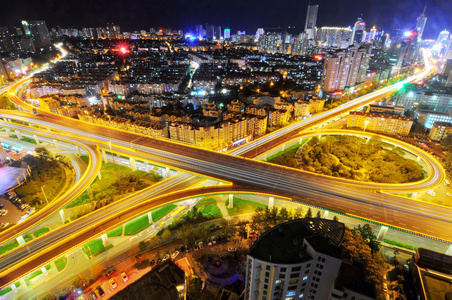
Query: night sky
235, 14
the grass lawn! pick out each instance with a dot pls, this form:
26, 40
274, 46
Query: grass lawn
137, 225
27, 237
115, 232
209, 206
41, 231
243, 206
33, 275
14, 136
162, 211
85, 158
61, 263
96, 247
103, 187
295, 146
28, 140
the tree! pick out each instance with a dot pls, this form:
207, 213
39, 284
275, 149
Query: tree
284, 215
142, 245
335, 218
96, 269
166, 234
308, 213
42, 151
297, 213
318, 215
78, 283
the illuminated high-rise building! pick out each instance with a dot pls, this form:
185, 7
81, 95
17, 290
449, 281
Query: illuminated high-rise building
443, 37
358, 31
199, 32
311, 21
420, 23
334, 36
217, 32
38, 32
227, 33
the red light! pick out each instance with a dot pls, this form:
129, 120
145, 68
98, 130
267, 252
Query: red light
318, 57
161, 30
123, 50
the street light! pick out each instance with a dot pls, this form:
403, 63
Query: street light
365, 125
113, 156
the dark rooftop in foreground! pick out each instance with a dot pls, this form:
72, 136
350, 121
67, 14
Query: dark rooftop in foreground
352, 276
159, 283
283, 243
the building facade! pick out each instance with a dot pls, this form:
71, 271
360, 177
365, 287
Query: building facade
388, 124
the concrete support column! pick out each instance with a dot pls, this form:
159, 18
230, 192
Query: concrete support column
20, 240
104, 156
44, 271
19, 134
283, 147
382, 233
133, 164
325, 214
414, 195
56, 144
449, 250
320, 136
265, 156
63, 217
150, 217
168, 172
231, 201
13, 287
418, 158
78, 150
7, 131
301, 141
36, 139
99, 175
105, 240
271, 201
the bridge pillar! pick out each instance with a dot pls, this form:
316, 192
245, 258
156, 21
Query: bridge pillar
283, 147
418, 159
133, 164
150, 217
13, 287
63, 217
20, 240
265, 156
44, 271
382, 233
449, 250
105, 241
19, 134
301, 141
104, 156
168, 172
231, 201
325, 214
56, 144
7, 131
36, 139
99, 175
78, 150
271, 201
414, 195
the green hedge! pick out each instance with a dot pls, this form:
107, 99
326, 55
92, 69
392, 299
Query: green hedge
399, 244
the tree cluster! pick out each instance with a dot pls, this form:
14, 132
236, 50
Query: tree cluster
353, 158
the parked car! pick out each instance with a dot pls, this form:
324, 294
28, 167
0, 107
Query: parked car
124, 276
1, 206
232, 249
93, 295
100, 291
175, 254
113, 283
201, 245
152, 263
166, 257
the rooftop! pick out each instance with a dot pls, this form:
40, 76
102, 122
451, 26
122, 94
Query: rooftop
284, 243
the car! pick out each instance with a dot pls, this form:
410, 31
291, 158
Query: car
201, 245
182, 248
113, 283
431, 193
1, 206
152, 263
100, 291
196, 248
3, 212
31, 210
124, 276
166, 257
175, 254
232, 249
159, 260
81, 297
93, 295
3, 225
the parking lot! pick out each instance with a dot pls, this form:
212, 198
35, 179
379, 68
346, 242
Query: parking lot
14, 214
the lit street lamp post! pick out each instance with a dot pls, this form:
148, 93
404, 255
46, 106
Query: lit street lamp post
365, 125
113, 156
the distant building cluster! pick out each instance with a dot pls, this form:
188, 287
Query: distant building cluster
388, 124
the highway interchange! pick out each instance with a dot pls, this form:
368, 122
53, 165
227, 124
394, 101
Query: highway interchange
247, 175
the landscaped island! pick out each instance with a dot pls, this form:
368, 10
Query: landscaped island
354, 158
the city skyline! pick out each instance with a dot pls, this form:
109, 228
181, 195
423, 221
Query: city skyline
185, 15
